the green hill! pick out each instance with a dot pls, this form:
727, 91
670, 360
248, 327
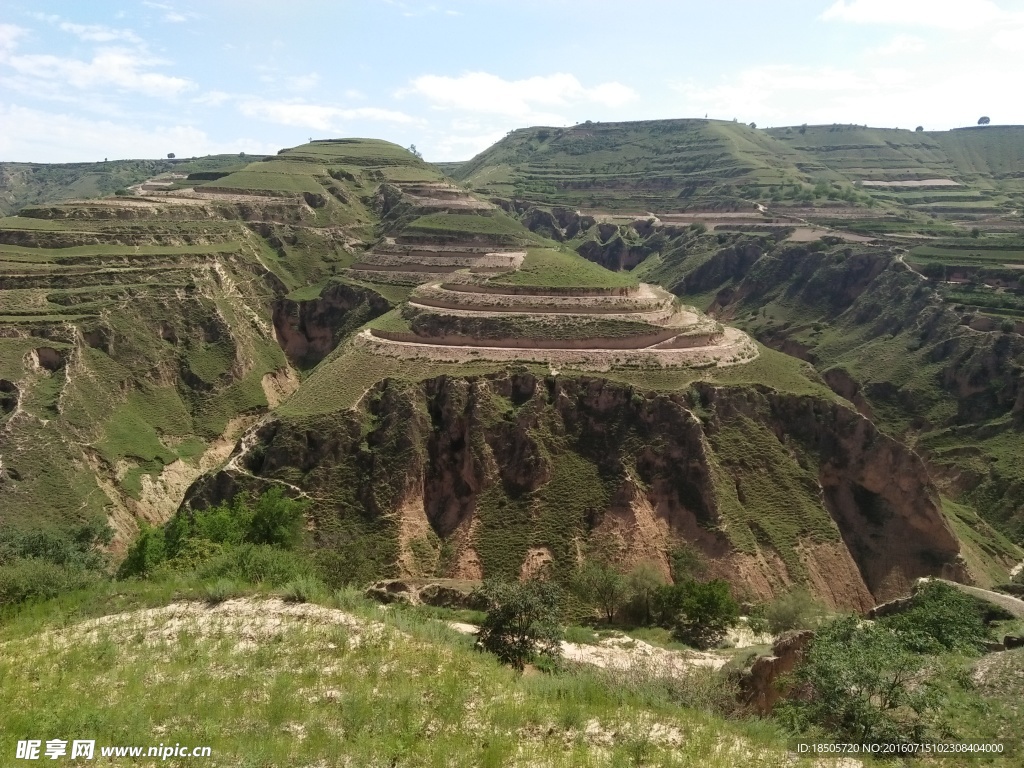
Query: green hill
667, 166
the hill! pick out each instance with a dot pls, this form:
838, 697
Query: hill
452, 385
873, 180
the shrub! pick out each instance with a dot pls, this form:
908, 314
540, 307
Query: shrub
257, 564
941, 617
860, 683
277, 520
522, 621
220, 590
30, 578
796, 609
304, 589
708, 610
145, 553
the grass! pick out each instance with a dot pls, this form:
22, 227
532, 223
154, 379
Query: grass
495, 227
555, 268
411, 691
284, 183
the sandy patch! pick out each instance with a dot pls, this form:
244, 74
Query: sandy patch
913, 183
249, 621
626, 654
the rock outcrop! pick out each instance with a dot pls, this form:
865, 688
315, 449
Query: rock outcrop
761, 686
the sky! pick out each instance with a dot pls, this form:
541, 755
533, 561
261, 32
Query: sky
84, 81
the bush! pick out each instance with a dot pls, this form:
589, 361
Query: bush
522, 621
796, 609
30, 578
147, 552
305, 589
860, 683
277, 520
940, 618
257, 564
220, 590
707, 611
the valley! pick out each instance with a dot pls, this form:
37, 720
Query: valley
789, 362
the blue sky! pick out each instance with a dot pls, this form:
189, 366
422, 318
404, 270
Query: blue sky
116, 79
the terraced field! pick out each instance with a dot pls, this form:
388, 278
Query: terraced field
136, 337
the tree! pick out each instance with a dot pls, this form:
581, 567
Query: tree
600, 584
277, 520
706, 612
861, 684
145, 553
522, 621
983, 120
975, 233
919, 128
644, 581
753, 125
416, 152
170, 155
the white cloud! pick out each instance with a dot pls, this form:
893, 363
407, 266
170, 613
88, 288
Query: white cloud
32, 135
305, 82
317, 116
171, 14
97, 33
948, 14
9, 34
900, 45
454, 147
943, 90
119, 68
213, 98
526, 100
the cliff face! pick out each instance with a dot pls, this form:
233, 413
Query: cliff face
309, 330
498, 475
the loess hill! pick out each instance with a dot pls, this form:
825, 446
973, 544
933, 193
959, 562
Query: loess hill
449, 378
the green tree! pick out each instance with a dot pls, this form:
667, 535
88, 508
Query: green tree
797, 609
707, 611
522, 621
983, 120
145, 553
277, 520
599, 584
861, 683
643, 582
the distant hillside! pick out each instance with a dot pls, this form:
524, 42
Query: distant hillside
675, 165
24, 184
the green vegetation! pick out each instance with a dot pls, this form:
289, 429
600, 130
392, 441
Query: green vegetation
903, 678
521, 622
555, 268
495, 227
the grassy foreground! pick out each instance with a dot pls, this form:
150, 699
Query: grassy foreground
271, 683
